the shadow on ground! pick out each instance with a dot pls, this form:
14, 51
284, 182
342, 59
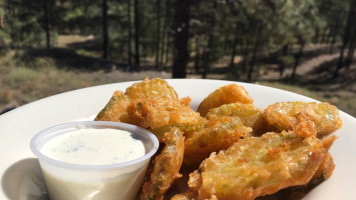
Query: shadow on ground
69, 59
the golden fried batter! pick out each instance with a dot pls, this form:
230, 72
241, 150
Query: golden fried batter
326, 168
305, 129
160, 115
325, 116
284, 116
248, 113
115, 109
152, 89
218, 133
154, 105
247, 167
257, 166
226, 94
166, 167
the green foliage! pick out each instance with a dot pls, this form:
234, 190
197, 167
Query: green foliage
75, 13
216, 27
22, 24
286, 60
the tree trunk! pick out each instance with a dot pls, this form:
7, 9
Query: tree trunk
137, 32
161, 56
164, 49
351, 51
285, 49
165, 34
316, 37
167, 50
48, 34
297, 59
324, 36
334, 32
86, 6
158, 32
197, 55
253, 59
282, 65
209, 50
206, 56
233, 53
346, 37
331, 49
105, 30
129, 32
2, 22
181, 28
245, 57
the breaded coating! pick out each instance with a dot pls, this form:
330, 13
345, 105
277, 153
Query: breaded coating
298, 192
282, 115
218, 133
305, 129
285, 115
115, 109
160, 115
166, 167
154, 105
231, 93
250, 115
324, 115
152, 89
258, 166
326, 168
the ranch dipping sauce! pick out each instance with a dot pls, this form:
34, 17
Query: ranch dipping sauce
94, 160
94, 147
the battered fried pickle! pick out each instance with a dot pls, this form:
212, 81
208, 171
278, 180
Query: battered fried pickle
324, 115
115, 109
154, 105
227, 94
218, 133
284, 116
152, 89
248, 113
160, 115
166, 167
257, 166
326, 168
298, 192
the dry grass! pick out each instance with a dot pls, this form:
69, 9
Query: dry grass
22, 84
24, 81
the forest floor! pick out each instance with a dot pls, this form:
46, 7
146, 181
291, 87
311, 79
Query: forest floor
72, 65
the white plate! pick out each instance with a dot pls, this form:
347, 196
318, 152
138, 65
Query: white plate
19, 170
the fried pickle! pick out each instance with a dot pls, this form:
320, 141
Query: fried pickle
166, 167
224, 95
326, 168
115, 109
152, 89
218, 133
250, 115
154, 105
159, 115
285, 115
298, 192
258, 166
